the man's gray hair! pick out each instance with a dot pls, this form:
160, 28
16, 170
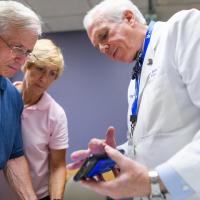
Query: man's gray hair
111, 10
15, 14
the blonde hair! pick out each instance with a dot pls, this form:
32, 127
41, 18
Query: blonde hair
45, 53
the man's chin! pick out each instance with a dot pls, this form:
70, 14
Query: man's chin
122, 60
8, 74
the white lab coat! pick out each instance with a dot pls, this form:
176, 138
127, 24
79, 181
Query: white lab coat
168, 126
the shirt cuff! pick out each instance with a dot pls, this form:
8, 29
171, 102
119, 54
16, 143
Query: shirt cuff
176, 186
16, 155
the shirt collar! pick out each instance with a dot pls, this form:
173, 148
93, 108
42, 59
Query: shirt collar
2, 83
43, 103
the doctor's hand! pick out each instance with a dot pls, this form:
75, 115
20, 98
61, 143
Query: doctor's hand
133, 179
95, 146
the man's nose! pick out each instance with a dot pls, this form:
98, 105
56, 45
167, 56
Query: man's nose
20, 59
104, 48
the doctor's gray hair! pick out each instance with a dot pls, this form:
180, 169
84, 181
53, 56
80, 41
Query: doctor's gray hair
111, 10
15, 14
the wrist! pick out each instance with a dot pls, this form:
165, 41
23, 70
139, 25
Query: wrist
162, 186
157, 187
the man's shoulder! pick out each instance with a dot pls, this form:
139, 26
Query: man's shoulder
184, 25
12, 94
10, 87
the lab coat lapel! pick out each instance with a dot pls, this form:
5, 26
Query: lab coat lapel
146, 69
149, 58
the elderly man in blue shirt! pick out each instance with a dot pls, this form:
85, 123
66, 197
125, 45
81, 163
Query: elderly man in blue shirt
16, 23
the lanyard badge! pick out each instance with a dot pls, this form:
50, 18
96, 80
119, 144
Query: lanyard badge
136, 76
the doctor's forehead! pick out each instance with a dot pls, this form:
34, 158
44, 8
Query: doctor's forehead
98, 32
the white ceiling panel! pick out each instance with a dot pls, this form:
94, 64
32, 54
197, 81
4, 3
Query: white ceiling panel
92, 3
69, 23
49, 8
67, 15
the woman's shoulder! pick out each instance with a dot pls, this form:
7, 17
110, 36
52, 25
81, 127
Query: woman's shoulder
18, 85
54, 105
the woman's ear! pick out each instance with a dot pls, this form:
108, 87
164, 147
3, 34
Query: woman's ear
129, 16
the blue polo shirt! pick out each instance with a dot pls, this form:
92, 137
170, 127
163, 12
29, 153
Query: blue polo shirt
11, 107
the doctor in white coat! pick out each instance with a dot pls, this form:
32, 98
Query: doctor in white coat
164, 102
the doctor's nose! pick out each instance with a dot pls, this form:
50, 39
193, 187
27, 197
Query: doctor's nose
104, 48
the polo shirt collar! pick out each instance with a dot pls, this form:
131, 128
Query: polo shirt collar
43, 104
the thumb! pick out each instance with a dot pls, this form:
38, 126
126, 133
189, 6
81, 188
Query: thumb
110, 137
115, 155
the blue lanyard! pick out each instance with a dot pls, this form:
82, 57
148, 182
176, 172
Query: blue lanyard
140, 58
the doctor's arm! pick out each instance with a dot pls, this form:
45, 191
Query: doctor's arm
178, 173
175, 184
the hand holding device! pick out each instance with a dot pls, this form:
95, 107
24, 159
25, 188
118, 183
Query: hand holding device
95, 164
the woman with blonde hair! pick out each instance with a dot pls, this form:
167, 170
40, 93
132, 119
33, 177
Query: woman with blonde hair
44, 123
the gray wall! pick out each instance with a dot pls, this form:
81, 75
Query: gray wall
92, 91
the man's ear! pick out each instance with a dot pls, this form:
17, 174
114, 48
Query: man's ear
129, 16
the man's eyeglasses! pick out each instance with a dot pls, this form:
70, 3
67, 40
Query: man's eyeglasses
17, 51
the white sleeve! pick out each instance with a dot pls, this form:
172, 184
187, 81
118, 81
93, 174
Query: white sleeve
187, 56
